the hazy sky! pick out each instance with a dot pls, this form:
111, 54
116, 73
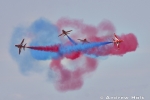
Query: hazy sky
126, 75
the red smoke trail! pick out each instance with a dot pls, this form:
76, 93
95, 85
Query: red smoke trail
72, 80
73, 55
54, 48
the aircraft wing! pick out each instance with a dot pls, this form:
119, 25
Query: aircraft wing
113, 40
60, 34
69, 31
116, 38
115, 35
22, 42
19, 50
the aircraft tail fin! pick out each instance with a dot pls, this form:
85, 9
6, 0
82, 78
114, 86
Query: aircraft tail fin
113, 39
24, 47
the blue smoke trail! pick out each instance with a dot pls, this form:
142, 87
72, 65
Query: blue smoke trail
71, 40
80, 47
85, 53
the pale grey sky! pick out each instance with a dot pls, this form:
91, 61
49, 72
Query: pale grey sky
115, 76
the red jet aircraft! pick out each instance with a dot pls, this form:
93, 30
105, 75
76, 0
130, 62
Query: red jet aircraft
84, 41
117, 41
20, 46
65, 32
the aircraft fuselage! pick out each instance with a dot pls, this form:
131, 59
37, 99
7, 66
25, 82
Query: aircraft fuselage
19, 46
